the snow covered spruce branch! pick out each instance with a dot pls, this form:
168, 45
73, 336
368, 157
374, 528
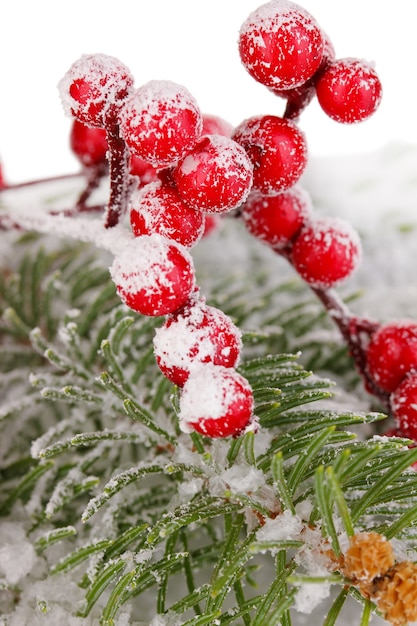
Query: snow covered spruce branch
305, 493
175, 171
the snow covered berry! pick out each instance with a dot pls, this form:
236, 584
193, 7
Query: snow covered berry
298, 98
197, 334
153, 276
277, 219
216, 401
144, 171
215, 125
2, 180
160, 122
349, 90
277, 150
325, 252
88, 144
212, 224
392, 353
158, 208
215, 176
281, 44
404, 407
93, 87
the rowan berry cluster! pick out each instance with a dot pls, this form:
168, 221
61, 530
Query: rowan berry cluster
174, 168
175, 171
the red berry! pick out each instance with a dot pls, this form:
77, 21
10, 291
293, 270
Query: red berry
160, 122
404, 407
325, 252
214, 125
93, 87
392, 353
281, 45
88, 144
2, 181
198, 334
212, 223
215, 176
300, 97
277, 149
153, 276
349, 90
143, 170
157, 208
277, 219
216, 401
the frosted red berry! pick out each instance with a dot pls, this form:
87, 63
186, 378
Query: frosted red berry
198, 334
153, 276
94, 87
277, 150
212, 224
349, 90
158, 208
215, 176
215, 125
160, 122
281, 44
326, 252
392, 354
216, 401
2, 180
144, 171
277, 219
404, 407
88, 144
298, 98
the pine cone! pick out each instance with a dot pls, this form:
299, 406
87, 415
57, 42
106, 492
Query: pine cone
396, 594
369, 556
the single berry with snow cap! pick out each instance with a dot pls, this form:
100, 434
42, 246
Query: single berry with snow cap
281, 44
197, 334
153, 275
277, 219
215, 176
326, 252
404, 407
94, 88
349, 90
158, 208
277, 149
216, 401
89, 144
392, 353
160, 122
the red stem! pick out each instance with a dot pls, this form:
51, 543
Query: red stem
119, 176
355, 331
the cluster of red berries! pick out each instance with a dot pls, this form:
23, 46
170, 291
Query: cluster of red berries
189, 168
284, 48
192, 169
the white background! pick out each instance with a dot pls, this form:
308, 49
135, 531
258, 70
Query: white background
192, 42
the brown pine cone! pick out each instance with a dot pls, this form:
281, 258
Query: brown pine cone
396, 594
369, 556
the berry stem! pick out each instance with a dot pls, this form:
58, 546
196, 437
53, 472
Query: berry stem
93, 175
356, 332
119, 176
40, 181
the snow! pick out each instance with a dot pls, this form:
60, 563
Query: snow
17, 554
